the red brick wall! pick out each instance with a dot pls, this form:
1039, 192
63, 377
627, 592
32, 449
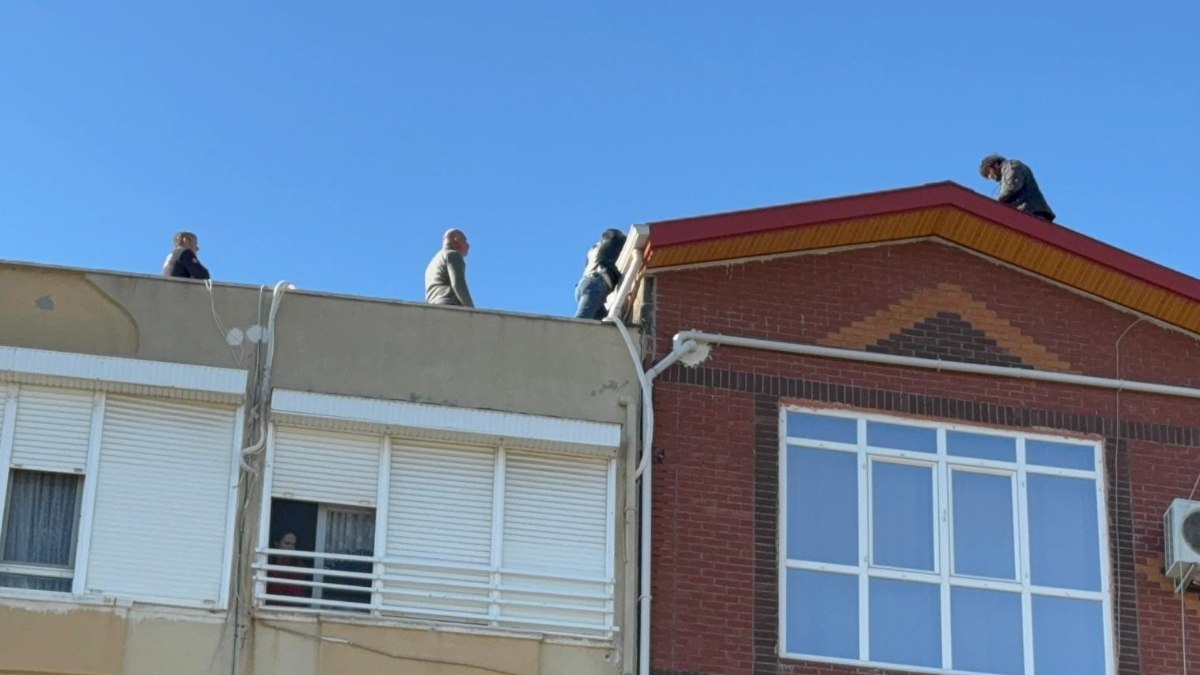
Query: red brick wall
715, 491
809, 298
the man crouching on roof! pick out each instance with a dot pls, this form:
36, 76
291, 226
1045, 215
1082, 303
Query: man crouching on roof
1018, 187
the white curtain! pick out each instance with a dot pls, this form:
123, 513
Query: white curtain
40, 526
350, 532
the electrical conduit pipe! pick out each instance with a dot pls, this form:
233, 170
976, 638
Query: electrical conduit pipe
264, 391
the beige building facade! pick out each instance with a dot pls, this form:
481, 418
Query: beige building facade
455, 481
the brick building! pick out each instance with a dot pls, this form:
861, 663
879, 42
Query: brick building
947, 447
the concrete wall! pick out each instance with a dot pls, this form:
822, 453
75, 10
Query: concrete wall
332, 344
323, 648
454, 356
58, 637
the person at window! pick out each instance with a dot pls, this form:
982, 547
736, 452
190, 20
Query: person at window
287, 542
1018, 187
446, 275
600, 276
183, 261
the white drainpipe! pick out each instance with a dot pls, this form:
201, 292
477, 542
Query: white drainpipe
644, 468
646, 473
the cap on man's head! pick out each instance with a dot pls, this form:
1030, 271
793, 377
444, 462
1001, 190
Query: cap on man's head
988, 162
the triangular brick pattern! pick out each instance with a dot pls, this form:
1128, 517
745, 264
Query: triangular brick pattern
946, 322
948, 337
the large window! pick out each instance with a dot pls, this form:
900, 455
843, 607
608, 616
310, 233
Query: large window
941, 547
438, 531
95, 484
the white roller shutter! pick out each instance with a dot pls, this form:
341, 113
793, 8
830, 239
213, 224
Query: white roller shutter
556, 524
52, 429
440, 504
325, 466
555, 515
440, 524
162, 496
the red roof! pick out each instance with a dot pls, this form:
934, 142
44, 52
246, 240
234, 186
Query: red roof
683, 231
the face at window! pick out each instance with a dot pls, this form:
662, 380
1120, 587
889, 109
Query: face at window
288, 542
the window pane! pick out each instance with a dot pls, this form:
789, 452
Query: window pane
986, 631
905, 623
901, 437
902, 515
1068, 636
983, 525
822, 427
822, 505
822, 614
1064, 455
36, 583
981, 446
348, 532
40, 525
293, 525
1064, 545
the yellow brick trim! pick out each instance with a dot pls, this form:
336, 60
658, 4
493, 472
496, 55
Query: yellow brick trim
945, 298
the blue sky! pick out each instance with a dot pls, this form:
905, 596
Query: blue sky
332, 143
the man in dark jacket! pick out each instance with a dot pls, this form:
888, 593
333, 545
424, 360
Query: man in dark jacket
1018, 187
182, 262
600, 276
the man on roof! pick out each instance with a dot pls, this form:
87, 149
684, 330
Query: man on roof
446, 275
182, 261
1018, 187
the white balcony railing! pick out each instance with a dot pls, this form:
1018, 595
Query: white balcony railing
433, 590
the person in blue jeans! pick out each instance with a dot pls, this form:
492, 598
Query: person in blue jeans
600, 276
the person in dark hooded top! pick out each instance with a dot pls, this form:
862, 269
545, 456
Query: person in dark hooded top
1018, 187
182, 261
600, 276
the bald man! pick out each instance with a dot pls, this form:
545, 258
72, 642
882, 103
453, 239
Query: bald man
446, 275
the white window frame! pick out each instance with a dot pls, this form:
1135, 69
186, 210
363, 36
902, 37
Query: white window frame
943, 465
322, 525
33, 569
83, 515
100, 375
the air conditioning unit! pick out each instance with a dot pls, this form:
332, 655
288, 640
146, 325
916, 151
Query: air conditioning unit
1181, 536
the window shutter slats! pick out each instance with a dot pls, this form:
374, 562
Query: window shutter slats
439, 520
325, 466
162, 498
555, 515
52, 429
440, 506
